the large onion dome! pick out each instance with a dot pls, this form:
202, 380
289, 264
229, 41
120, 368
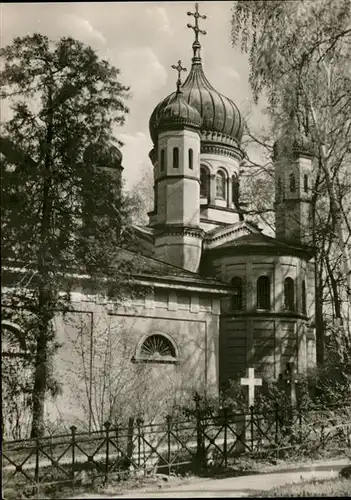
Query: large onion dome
178, 113
221, 121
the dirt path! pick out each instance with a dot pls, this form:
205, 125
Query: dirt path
240, 486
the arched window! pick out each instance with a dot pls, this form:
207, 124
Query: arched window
237, 299
303, 297
279, 189
175, 157
156, 348
163, 159
220, 185
305, 183
292, 182
235, 191
191, 158
289, 294
263, 293
204, 182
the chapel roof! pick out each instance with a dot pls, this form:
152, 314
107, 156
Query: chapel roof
260, 243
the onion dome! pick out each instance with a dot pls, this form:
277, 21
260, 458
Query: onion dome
221, 121
103, 156
220, 118
178, 113
294, 144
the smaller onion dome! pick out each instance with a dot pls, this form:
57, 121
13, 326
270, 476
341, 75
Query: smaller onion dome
178, 114
295, 144
103, 156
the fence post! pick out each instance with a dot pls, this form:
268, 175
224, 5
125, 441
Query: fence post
130, 446
225, 444
300, 424
252, 427
107, 426
169, 424
322, 436
36, 474
73, 431
276, 436
139, 424
200, 449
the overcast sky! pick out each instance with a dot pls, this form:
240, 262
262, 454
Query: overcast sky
143, 40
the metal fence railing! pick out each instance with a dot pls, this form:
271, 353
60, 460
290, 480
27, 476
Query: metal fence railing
201, 440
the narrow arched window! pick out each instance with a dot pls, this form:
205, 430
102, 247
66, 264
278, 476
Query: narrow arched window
263, 293
220, 185
279, 189
204, 182
292, 182
289, 294
235, 190
191, 158
237, 299
303, 297
305, 183
175, 157
163, 159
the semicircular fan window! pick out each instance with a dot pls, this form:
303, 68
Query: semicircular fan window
157, 348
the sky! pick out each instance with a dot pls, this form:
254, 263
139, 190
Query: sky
143, 40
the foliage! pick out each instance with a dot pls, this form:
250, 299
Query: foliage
299, 54
63, 214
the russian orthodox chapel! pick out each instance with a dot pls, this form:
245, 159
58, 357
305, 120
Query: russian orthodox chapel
197, 224
225, 296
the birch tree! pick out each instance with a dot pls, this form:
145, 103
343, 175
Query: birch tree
299, 55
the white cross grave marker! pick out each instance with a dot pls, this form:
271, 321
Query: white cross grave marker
251, 382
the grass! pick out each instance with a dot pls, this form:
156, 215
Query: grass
337, 487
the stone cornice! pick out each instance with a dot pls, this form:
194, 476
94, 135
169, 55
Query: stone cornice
255, 314
218, 207
177, 176
164, 230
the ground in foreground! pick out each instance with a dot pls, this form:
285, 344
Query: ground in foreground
325, 488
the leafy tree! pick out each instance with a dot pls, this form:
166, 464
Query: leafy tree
63, 215
299, 55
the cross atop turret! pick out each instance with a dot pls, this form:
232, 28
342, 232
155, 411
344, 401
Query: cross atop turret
179, 68
197, 30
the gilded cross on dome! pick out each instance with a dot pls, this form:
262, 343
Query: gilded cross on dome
197, 30
179, 68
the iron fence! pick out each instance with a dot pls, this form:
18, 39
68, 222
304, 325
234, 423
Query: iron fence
201, 440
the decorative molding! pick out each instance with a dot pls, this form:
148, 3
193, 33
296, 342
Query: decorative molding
193, 232
214, 146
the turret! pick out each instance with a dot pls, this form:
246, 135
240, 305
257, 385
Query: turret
176, 218
293, 158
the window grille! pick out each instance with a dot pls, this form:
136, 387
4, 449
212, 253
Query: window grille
263, 293
157, 349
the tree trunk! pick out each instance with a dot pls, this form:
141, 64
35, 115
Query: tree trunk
45, 313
